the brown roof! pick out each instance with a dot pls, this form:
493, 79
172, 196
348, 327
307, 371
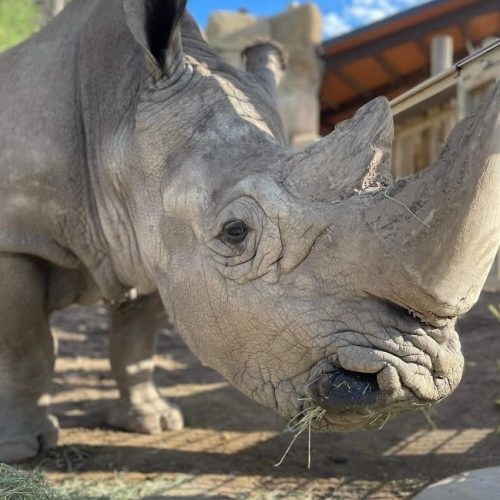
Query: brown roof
391, 56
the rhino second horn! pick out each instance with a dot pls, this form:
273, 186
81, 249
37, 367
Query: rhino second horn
354, 158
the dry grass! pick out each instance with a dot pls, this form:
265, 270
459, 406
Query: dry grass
495, 310
405, 206
428, 417
299, 424
17, 484
22, 485
114, 489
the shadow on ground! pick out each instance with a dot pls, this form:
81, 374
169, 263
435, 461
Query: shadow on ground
231, 444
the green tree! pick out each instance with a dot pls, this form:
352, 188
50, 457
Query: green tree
18, 20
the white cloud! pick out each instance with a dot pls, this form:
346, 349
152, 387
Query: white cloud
334, 25
369, 11
359, 13
413, 3
366, 15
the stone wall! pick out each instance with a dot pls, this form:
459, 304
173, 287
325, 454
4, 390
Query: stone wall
299, 30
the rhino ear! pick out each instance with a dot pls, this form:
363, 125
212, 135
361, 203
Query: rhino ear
266, 60
155, 26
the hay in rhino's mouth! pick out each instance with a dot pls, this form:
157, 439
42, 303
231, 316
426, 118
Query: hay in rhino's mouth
315, 417
353, 417
365, 385
352, 401
340, 399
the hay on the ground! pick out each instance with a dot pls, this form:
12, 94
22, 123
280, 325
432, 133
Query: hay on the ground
22, 485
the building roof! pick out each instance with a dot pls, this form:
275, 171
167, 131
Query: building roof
393, 55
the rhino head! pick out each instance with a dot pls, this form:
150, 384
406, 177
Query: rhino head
310, 279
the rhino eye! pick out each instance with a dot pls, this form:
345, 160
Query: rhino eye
235, 231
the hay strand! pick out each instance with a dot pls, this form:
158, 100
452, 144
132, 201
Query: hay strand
429, 419
495, 311
298, 424
407, 208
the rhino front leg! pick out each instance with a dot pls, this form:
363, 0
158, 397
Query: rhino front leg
141, 408
26, 360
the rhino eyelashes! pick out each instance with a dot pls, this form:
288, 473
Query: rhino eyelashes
234, 232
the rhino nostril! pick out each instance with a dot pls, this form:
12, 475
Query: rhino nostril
343, 390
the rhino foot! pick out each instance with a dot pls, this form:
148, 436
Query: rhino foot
148, 417
23, 445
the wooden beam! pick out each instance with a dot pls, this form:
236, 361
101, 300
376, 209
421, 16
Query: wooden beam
329, 118
424, 51
330, 103
388, 69
411, 33
352, 82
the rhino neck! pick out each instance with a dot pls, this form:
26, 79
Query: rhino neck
110, 72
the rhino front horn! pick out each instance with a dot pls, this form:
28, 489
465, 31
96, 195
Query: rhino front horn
439, 230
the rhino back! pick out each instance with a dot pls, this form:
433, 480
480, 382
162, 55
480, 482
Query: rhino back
41, 147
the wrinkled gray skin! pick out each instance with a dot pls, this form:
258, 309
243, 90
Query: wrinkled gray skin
124, 154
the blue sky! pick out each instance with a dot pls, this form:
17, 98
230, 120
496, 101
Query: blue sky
340, 16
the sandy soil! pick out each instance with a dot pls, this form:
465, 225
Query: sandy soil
230, 445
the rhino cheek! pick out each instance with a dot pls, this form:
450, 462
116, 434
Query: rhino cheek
244, 333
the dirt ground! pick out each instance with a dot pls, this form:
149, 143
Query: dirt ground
230, 444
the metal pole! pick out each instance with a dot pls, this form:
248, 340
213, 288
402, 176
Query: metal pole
441, 54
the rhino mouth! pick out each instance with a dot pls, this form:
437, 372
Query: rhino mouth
386, 377
353, 401
343, 391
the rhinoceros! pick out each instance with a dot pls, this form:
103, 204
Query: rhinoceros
133, 158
